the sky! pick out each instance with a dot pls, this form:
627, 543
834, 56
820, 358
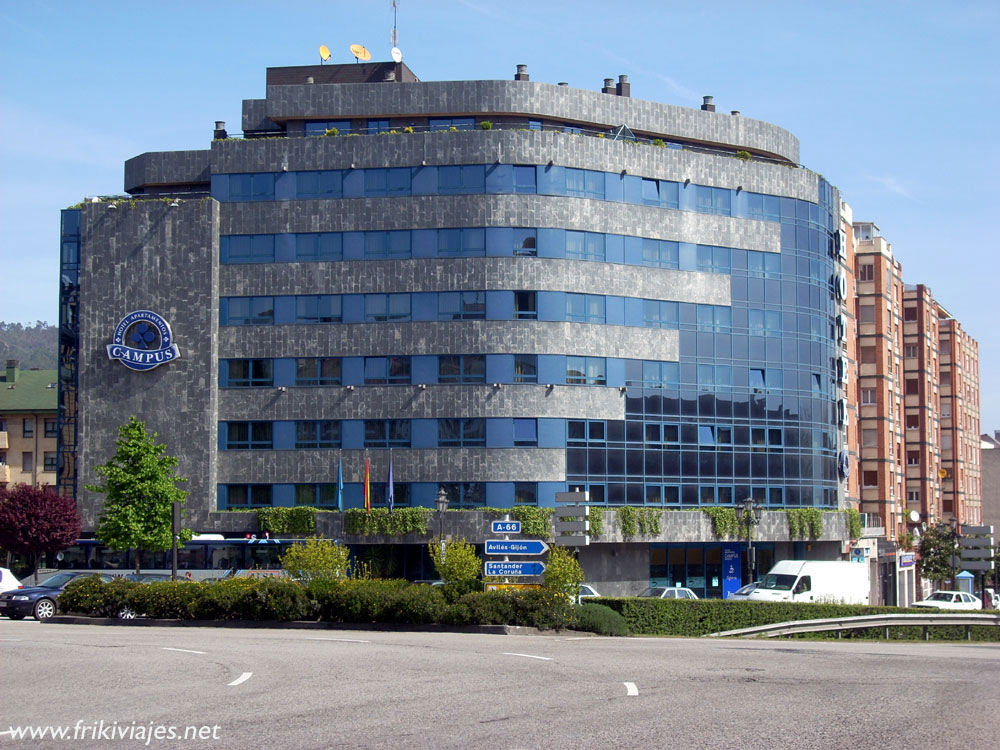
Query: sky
895, 103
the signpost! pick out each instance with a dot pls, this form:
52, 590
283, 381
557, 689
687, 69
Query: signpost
513, 569
572, 519
516, 547
975, 552
505, 527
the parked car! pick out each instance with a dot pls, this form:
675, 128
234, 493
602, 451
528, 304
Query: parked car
40, 601
669, 592
8, 582
744, 592
950, 600
147, 577
586, 592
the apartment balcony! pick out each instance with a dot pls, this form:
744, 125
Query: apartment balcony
3, 441
4, 474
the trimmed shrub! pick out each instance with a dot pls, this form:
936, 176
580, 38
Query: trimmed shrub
596, 618
94, 597
252, 599
166, 599
355, 601
455, 590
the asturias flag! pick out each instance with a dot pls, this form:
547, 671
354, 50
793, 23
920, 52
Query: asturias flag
390, 496
368, 486
340, 484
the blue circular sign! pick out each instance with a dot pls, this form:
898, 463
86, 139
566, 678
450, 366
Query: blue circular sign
142, 341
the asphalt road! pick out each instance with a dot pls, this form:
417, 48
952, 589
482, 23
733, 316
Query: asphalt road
360, 689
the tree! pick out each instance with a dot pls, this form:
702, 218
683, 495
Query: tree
563, 572
938, 545
458, 560
317, 559
34, 520
139, 482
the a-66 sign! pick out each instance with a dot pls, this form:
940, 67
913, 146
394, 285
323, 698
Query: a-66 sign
505, 527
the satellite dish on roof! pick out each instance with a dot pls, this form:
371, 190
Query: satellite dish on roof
360, 53
324, 53
397, 55
914, 517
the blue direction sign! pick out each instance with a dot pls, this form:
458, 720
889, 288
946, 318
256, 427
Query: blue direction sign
505, 527
513, 569
516, 547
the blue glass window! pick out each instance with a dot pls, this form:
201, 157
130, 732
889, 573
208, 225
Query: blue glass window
660, 253
248, 495
462, 306
319, 127
585, 308
247, 311
525, 368
584, 183
317, 371
464, 494
251, 187
248, 435
249, 373
378, 126
391, 181
526, 242
385, 245
461, 432
525, 305
462, 368
525, 432
525, 180
317, 434
525, 493
386, 307
447, 123
387, 370
586, 371
660, 314
319, 246
387, 433
461, 242
247, 248
585, 246
319, 495
318, 308
456, 180
713, 200
325, 184
713, 259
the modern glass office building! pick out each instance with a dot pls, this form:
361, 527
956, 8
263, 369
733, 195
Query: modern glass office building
505, 289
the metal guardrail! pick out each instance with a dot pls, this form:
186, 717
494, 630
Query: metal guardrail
862, 622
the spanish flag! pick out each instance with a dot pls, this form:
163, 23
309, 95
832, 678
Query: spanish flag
368, 486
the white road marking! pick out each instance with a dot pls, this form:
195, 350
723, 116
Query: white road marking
8, 731
241, 679
528, 656
340, 640
631, 689
9, 639
182, 650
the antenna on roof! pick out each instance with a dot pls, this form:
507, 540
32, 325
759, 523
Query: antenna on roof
396, 53
324, 53
360, 53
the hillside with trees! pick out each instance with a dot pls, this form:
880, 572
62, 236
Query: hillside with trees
34, 346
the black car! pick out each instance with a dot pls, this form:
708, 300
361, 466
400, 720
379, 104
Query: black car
40, 601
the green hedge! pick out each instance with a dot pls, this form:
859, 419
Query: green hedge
380, 522
350, 601
696, 618
596, 618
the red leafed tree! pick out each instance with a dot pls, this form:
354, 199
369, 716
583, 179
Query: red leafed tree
34, 520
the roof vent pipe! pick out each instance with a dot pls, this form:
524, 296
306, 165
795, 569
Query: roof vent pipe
309, 79
708, 104
624, 88
220, 130
609, 86
390, 76
522, 73
563, 83
735, 113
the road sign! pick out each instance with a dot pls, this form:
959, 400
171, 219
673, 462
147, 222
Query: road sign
505, 527
513, 569
516, 547
572, 524
576, 498
512, 586
976, 548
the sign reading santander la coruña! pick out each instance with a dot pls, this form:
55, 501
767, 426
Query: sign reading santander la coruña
143, 341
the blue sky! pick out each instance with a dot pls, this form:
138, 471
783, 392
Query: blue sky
895, 103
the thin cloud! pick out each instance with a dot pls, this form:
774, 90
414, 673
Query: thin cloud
675, 86
893, 185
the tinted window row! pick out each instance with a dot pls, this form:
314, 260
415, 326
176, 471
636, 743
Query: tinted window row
325, 494
471, 305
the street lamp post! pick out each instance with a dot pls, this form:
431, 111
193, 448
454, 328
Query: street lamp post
442, 506
752, 513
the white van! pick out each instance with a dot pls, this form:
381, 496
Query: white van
821, 581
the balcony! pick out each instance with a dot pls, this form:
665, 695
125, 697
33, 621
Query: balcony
3, 441
4, 474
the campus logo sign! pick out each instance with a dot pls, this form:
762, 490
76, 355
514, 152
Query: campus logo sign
143, 341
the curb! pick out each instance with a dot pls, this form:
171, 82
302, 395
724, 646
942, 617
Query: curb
308, 625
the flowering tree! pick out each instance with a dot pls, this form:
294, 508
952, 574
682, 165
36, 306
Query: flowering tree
34, 520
